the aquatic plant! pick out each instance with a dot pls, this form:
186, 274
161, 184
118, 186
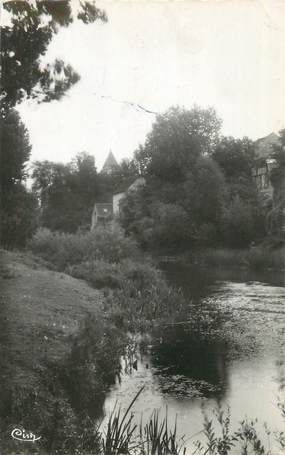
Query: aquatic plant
158, 439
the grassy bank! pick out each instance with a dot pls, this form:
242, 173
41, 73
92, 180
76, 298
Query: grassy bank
256, 258
135, 291
78, 333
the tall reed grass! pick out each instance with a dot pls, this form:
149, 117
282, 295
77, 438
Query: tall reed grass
156, 437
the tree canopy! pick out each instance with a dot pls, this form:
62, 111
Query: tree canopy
67, 192
177, 138
25, 39
28, 30
183, 197
199, 189
18, 206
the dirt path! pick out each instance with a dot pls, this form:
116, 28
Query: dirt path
39, 310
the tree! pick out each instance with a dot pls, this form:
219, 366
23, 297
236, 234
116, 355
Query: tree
18, 206
238, 223
182, 201
235, 157
243, 218
67, 192
25, 40
15, 150
176, 140
19, 217
276, 217
121, 177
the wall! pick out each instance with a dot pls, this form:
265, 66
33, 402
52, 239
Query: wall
116, 202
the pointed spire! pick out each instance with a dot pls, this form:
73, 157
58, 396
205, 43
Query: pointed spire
110, 164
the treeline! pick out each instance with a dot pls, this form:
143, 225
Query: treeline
198, 192
25, 37
18, 206
199, 189
67, 192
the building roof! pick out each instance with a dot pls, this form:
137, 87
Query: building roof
265, 145
110, 163
104, 210
130, 185
138, 183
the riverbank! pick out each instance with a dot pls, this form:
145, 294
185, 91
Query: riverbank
68, 304
135, 291
62, 369
42, 311
255, 258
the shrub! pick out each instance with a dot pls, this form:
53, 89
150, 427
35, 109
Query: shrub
98, 273
62, 250
136, 292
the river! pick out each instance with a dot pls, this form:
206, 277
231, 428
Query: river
237, 362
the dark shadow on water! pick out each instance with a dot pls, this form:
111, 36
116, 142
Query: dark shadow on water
178, 354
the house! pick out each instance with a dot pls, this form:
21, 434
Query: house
261, 174
264, 163
118, 197
102, 213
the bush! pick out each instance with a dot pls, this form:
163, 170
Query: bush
98, 273
63, 250
19, 217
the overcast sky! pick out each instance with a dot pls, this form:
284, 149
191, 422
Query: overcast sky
226, 54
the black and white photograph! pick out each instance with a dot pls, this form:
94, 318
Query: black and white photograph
142, 227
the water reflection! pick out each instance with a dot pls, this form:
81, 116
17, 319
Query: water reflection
238, 361
190, 363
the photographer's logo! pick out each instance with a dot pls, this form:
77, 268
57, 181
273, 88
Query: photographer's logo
22, 435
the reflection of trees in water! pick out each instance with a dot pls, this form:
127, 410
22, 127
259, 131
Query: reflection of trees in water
197, 282
197, 361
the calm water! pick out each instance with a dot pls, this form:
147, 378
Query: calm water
238, 361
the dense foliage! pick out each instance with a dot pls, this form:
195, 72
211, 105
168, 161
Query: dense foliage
135, 291
24, 40
18, 205
243, 217
276, 216
25, 35
66, 192
199, 190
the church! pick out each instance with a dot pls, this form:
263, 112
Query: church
105, 212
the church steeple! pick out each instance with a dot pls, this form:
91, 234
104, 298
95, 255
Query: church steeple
110, 164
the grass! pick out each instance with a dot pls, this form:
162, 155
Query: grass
156, 437
133, 295
135, 291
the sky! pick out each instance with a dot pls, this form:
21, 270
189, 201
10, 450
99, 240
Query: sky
227, 54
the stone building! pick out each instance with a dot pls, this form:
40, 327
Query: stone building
264, 163
102, 214
261, 173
